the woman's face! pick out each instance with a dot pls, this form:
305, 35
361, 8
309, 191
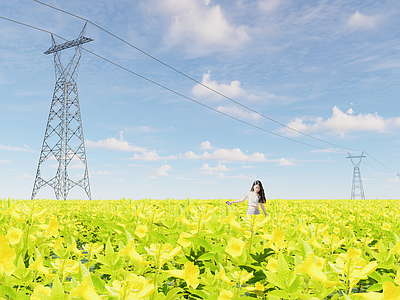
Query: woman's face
256, 188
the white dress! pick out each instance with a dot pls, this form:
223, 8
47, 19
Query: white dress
252, 201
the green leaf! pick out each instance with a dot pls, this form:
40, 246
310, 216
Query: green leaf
200, 293
201, 242
396, 237
325, 292
22, 297
296, 283
158, 236
307, 249
109, 253
20, 271
279, 293
217, 249
375, 275
283, 268
83, 271
375, 288
174, 294
99, 284
207, 256
128, 236
345, 297
275, 279
57, 290
8, 292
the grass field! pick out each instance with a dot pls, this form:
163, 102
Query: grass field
199, 249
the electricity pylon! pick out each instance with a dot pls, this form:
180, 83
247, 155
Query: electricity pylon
63, 138
357, 187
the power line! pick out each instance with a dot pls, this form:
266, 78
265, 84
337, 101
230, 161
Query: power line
175, 92
380, 163
374, 167
191, 78
191, 99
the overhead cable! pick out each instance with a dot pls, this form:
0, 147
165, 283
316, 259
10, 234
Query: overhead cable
191, 99
191, 78
177, 93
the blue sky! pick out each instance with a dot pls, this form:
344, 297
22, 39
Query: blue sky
330, 69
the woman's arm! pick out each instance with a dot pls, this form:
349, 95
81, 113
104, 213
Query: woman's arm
238, 201
263, 208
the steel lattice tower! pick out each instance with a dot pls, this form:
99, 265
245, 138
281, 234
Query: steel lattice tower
357, 189
63, 138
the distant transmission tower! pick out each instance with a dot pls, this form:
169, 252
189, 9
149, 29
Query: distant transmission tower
63, 138
357, 187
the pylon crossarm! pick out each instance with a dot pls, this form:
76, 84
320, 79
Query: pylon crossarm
69, 44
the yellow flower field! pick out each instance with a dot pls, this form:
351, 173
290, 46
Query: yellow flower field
199, 249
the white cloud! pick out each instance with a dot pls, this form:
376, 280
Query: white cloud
238, 112
99, 173
206, 145
360, 21
20, 178
326, 150
341, 123
393, 180
231, 90
114, 144
219, 154
4, 160
147, 156
200, 27
206, 169
227, 155
78, 165
286, 162
11, 148
162, 171
269, 5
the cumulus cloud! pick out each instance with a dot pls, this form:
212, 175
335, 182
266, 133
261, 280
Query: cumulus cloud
326, 150
269, 5
231, 90
115, 144
286, 162
162, 171
206, 169
206, 145
218, 154
19, 149
20, 178
393, 180
77, 165
360, 21
342, 122
200, 27
98, 172
221, 155
147, 156
227, 155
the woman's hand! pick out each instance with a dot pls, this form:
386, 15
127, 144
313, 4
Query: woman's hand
229, 203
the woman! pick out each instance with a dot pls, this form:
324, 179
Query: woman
255, 197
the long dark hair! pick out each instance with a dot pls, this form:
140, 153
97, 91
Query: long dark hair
261, 194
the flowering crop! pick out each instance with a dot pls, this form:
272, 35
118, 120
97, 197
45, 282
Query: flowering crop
199, 249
